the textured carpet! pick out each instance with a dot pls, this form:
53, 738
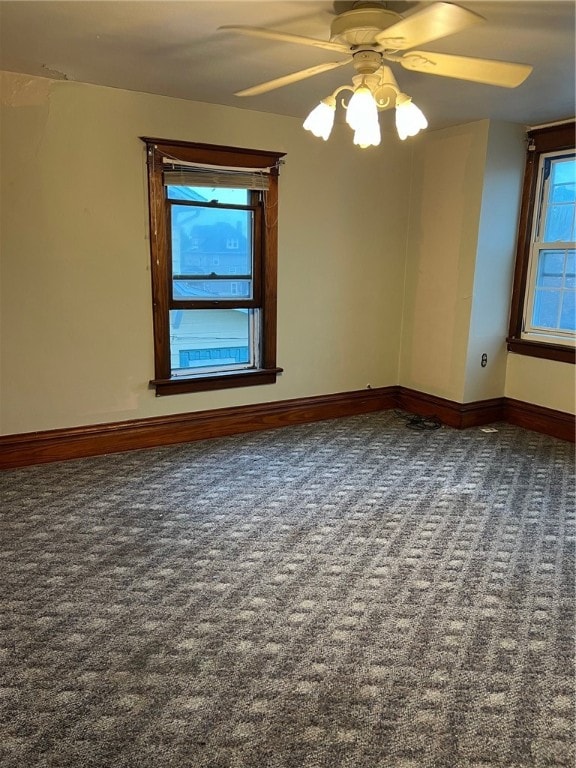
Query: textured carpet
349, 593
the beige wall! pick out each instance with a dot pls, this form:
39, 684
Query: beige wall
76, 328
446, 199
494, 261
394, 264
543, 382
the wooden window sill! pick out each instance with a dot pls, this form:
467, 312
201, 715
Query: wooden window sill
559, 352
203, 383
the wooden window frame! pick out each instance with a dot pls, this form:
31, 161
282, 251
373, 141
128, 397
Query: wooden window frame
230, 157
554, 138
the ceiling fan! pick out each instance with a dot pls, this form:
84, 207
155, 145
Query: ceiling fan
370, 35
370, 28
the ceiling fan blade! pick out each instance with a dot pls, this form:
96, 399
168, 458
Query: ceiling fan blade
431, 23
286, 37
489, 71
270, 85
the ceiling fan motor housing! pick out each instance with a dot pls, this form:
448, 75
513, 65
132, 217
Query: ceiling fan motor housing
361, 25
367, 61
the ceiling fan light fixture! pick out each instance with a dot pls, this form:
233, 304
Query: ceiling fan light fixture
370, 35
321, 120
410, 119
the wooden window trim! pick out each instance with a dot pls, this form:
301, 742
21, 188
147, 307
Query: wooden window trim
163, 381
208, 382
550, 139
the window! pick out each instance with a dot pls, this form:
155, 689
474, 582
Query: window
543, 314
213, 224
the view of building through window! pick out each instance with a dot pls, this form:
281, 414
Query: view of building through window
212, 259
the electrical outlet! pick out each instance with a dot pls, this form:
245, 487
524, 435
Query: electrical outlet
484, 360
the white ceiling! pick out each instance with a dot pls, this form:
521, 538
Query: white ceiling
174, 48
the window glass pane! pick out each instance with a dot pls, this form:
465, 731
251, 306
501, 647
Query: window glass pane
550, 269
571, 269
208, 194
212, 290
560, 223
568, 315
563, 180
555, 290
561, 211
211, 339
546, 308
211, 241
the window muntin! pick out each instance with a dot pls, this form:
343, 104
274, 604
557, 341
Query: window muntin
549, 307
214, 303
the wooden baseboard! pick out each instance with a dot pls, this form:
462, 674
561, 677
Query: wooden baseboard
458, 415
535, 417
463, 415
93, 440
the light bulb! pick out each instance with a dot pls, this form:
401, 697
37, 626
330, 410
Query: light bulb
361, 108
320, 121
368, 134
409, 118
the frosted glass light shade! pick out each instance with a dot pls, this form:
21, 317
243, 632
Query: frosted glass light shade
409, 118
368, 134
361, 108
320, 121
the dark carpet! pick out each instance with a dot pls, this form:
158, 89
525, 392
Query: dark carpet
350, 593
